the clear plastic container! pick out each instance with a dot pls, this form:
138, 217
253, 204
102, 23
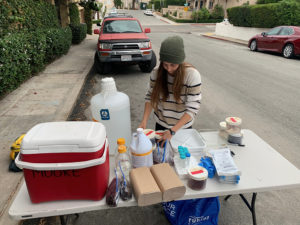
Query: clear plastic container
112, 108
123, 162
120, 141
233, 125
197, 178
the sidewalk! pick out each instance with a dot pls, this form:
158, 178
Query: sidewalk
164, 19
49, 96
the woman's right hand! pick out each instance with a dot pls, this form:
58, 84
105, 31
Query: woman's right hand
143, 124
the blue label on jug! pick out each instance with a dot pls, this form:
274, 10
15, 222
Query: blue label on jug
104, 114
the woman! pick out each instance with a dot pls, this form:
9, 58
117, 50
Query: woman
174, 91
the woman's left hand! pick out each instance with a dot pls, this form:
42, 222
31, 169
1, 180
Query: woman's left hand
165, 137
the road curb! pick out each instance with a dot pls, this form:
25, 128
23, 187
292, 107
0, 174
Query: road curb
225, 39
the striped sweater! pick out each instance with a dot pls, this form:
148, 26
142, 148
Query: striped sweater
169, 112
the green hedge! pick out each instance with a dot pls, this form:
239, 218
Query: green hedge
210, 20
30, 14
78, 33
74, 14
267, 1
97, 21
25, 53
58, 42
285, 12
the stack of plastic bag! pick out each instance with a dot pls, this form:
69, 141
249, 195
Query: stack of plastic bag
225, 166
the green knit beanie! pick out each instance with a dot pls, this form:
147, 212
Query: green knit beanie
172, 50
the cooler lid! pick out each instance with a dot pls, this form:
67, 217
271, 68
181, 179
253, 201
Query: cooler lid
71, 136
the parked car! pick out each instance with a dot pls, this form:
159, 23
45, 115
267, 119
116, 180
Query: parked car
123, 40
282, 39
148, 12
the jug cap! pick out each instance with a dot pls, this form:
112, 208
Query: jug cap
121, 141
139, 130
122, 149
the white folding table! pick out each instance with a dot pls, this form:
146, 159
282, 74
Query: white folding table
261, 167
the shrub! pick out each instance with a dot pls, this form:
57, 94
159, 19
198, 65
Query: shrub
285, 12
239, 16
78, 33
74, 14
175, 13
16, 15
267, 1
201, 16
262, 16
58, 42
218, 12
96, 21
14, 61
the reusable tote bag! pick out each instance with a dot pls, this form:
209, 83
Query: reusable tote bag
201, 211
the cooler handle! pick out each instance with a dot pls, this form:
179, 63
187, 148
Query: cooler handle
62, 166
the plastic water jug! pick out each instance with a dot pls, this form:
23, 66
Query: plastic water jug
112, 109
141, 150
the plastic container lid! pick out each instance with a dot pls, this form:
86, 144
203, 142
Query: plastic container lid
234, 121
122, 149
149, 133
121, 141
198, 173
54, 137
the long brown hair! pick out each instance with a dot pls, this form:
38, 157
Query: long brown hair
161, 84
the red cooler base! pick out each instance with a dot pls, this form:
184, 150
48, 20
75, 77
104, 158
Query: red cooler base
78, 184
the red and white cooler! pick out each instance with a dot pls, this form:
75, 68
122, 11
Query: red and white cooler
65, 161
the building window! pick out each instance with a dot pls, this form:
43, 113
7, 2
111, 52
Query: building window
211, 4
201, 4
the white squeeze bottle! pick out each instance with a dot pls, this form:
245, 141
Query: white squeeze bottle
112, 108
141, 150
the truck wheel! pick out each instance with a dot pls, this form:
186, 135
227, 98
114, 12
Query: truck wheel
147, 67
101, 68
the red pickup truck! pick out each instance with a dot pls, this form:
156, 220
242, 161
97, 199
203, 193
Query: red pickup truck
123, 40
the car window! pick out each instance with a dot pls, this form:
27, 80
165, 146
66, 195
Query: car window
274, 31
121, 26
286, 31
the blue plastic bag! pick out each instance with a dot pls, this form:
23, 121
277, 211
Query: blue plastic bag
201, 211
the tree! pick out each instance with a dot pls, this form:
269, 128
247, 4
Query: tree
117, 3
89, 6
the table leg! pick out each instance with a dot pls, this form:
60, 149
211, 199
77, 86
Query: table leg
250, 207
64, 221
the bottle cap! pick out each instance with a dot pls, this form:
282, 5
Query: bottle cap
108, 85
121, 141
122, 149
139, 130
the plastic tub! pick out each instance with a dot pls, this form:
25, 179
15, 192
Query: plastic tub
189, 138
197, 178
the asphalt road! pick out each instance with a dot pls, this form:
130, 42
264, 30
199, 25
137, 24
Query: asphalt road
261, 88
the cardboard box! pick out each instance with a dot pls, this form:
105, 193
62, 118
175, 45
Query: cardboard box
156, 184
145, 188
168, 181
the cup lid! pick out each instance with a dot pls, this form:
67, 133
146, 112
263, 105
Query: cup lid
232, 120
198, 173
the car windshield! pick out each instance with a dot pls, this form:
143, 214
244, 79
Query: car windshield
121, 26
